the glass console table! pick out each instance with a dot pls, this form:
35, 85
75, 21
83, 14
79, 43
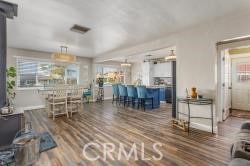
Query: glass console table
191, 101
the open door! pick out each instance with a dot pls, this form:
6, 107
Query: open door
227, 85
230, 79
240, 83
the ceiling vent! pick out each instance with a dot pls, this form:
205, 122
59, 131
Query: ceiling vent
79, 29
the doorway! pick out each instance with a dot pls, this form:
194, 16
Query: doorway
241, 83
233, 80
227, 84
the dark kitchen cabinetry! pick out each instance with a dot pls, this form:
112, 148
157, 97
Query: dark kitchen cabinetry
166, 94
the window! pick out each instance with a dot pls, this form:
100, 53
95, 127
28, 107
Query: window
27, 71
72, 74
243, 72
110, 74
34, 73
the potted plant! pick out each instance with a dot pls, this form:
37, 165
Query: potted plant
10, 87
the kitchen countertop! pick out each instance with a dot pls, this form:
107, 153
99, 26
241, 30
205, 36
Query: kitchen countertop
159, 86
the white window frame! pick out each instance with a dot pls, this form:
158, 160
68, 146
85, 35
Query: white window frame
46, 61
105, 66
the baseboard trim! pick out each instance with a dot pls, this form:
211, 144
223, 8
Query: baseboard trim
108, 98
203, 127
31, 107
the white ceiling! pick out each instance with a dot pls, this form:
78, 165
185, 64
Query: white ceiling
44, 24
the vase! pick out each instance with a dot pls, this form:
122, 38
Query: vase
194, 93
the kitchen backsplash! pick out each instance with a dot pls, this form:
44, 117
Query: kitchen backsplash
162, 80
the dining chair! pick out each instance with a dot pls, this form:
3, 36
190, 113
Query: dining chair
132, 94
46, 93
87, 94
75, 100
115, 91
144, 97
58, 102
123, 95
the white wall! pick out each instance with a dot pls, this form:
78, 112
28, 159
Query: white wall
29, 98
136, 71
196, 52
143, 71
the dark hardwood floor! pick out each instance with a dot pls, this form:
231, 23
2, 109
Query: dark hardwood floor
105, 123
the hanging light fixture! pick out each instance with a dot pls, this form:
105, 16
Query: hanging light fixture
171, 57
64, 56
125, 64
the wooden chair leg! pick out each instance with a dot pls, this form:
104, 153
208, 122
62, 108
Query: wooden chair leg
127, 101
81, 108
144, 104
71, 109
53, 112
49, 110
141, 103
152, 103
66, 108
138, 103
124, 101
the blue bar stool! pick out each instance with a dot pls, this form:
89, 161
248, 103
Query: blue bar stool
115, 90
123, 94
132, 94
143, 96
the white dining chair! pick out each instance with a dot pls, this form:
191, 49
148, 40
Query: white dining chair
58, 102
75, 100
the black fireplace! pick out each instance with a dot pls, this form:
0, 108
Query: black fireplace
7, 10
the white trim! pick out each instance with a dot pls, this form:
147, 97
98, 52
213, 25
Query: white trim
203, 127
30, 108
45, 60
219, 97
28, 88
219, 93
107, 65
108, 98
49, 61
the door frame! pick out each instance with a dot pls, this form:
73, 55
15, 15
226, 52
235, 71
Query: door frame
221, 46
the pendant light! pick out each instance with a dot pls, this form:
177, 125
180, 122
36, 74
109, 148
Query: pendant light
171, 57
64, 56
125, 64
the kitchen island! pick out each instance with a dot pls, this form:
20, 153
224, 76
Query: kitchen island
159, 93
155, 93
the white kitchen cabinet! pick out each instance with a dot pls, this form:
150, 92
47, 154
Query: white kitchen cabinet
162, 70
147, 73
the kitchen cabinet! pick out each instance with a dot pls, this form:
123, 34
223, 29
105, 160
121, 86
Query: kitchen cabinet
166, 94
169, 95
162, 94
147, 73
162, 70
